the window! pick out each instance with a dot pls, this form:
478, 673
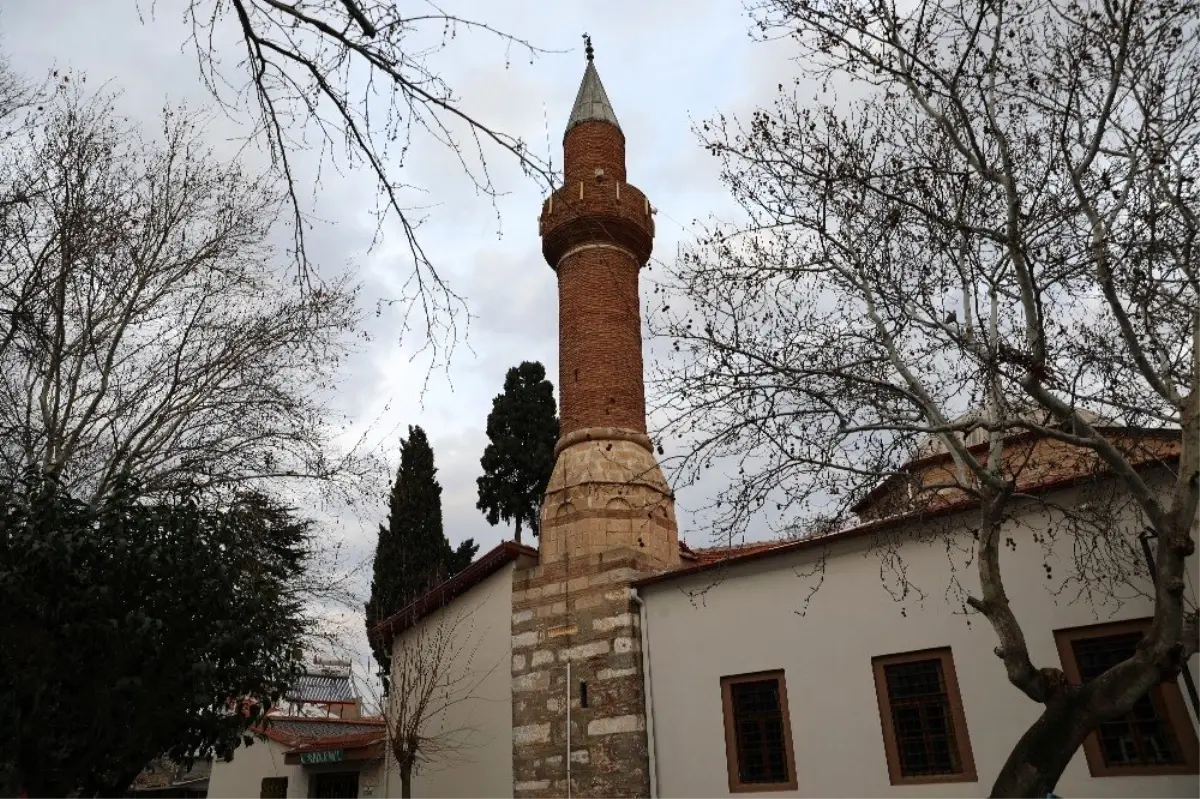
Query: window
925, 735
1156, 736
274, 788
758, 733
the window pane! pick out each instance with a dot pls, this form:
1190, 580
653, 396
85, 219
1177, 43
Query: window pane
274, 788
1141, 737
925, 742
758, 730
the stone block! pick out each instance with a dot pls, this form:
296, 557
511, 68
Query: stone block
623, 645
518, 662
613, 674
610, 623
533, 681
525, 640
580, 756
531, 734
533, 785
522, 616
583, 651
555, 761
616, 725
541, 657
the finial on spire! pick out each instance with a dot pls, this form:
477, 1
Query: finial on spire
587, 40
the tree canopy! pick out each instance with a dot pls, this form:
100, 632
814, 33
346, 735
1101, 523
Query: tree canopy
159, 389
145, 326
999, 236
133, 630
522, 429
412, 553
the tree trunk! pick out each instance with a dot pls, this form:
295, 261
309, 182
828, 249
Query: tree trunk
1040, 757
517, 535
405, 780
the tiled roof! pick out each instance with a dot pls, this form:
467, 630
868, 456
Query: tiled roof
1165, 448
439, 596
296, 731
705, 555
322, 688
340, 741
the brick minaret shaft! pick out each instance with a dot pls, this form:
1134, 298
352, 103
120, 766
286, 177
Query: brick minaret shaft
608, 515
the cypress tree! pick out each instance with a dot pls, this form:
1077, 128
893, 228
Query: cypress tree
522, 429
412, 554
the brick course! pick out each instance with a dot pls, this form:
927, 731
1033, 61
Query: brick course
589, 145
597, 233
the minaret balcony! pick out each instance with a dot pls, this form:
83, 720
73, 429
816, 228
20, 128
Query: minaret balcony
594, 211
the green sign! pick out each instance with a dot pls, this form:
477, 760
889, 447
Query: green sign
328, 756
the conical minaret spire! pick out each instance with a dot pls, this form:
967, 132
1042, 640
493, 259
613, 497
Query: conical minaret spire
591, 102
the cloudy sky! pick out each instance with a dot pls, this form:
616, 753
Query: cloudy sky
666, 64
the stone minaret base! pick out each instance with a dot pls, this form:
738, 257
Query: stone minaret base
608, 519
606, 493
578, 611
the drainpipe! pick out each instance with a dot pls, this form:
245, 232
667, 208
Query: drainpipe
648, 692
568, 697
1185, 672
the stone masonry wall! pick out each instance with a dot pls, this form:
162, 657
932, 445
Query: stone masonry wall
608, 494
579, 612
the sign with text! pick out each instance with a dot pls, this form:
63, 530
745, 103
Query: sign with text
328, 756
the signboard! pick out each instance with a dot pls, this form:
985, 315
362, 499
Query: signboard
328, 756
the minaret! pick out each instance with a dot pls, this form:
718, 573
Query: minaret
578, 692
607, 491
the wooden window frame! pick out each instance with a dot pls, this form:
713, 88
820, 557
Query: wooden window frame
962, 735
1169, 696
731, 756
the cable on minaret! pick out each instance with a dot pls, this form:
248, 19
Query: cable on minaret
587, 40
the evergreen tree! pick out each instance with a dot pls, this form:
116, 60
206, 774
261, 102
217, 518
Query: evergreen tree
139, 628
412, 554
523, 428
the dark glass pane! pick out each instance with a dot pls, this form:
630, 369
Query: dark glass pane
925, 742
274, 788
1142, 737
758, 728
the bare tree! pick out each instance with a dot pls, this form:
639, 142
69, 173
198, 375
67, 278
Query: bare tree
435, 669
997, 242
150, 331
357, 75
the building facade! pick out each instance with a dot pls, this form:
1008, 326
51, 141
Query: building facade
837, 665
315, 744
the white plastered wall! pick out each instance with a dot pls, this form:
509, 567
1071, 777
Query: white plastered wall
481, 763
751, 621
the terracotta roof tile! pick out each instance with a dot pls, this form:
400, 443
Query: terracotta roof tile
351, 741
706, 555
298, 730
